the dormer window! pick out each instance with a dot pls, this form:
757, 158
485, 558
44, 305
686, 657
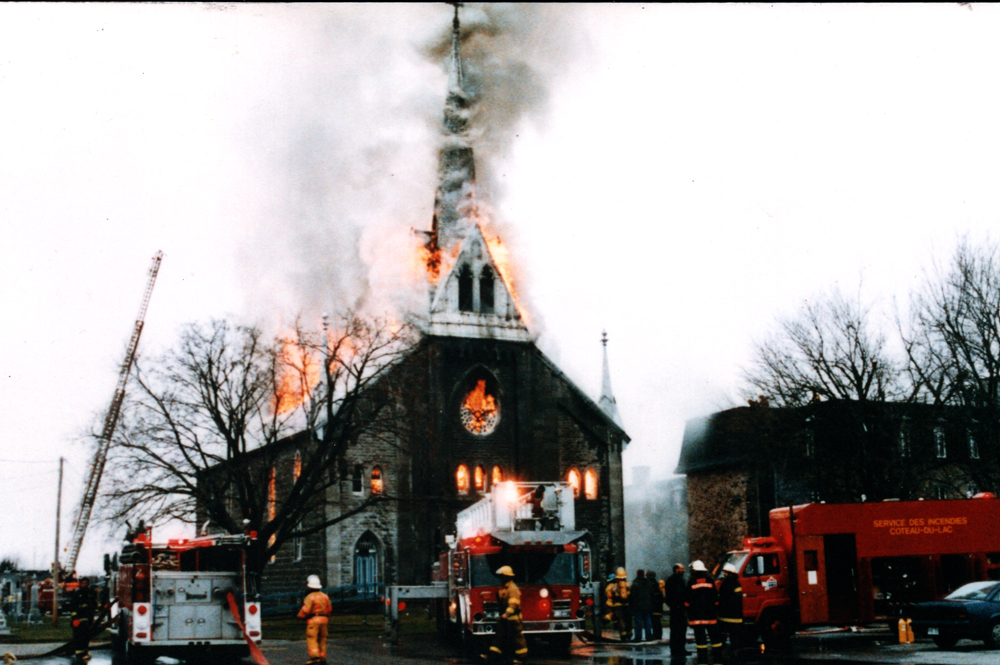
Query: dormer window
465, 289
486, 280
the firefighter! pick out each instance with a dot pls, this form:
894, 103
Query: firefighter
509, 645
316, 610
82, 607
656, 617
673, 594
640, 604
701, 601
618, 592
731, 608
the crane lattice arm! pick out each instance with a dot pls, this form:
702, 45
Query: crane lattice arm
101, 455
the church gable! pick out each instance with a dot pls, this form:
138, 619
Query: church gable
473, 299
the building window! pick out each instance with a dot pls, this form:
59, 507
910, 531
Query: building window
939, 443
590, 484
357, 480
573, 480
486, 290
378, 486
497, 476
462, 479
272, 505
973, 444
465, 289
298, 544
904, 438
809, 439
479, 478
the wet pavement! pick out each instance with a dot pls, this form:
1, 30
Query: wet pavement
844, 648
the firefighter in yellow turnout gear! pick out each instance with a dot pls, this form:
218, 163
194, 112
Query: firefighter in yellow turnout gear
316, 610
509, 645
617, 592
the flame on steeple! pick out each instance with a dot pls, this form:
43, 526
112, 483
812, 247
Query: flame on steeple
454, 203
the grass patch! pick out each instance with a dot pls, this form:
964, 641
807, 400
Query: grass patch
46, 632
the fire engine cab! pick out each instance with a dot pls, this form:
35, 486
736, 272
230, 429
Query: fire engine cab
184, 597
530, 527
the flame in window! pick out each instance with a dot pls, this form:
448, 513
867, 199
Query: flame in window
573, 480
480, 411
590, 484
497, 476
377, 484
462, 479
479, 478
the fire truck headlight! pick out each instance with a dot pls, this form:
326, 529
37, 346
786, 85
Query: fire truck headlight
544, 593
478, 616
581, 613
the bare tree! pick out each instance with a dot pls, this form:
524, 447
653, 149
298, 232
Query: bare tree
205, 425
831, 350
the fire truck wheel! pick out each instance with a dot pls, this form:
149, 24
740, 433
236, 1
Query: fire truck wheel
776, 628
945, 641
135, 654
993, 635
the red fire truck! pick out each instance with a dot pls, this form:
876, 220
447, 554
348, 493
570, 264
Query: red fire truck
860, 563
530, 527
184, 597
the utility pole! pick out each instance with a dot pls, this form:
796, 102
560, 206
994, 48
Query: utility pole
55, 563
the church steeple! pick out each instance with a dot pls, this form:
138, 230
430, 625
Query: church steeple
607, 400
454, 202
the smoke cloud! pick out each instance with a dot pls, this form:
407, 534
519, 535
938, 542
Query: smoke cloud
345, 152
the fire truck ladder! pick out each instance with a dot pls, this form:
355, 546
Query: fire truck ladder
101, 455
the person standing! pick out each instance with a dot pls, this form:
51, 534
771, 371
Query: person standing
82, 607
656, 616
509, 644
731, 609
673, 594
618, 600
316, 610
641, 604
701, 601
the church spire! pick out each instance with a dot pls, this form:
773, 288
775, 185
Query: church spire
607, 400
455, 199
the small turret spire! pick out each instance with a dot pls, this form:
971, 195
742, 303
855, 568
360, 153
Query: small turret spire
607, 400
456, 77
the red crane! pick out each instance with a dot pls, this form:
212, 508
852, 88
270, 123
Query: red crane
101, 455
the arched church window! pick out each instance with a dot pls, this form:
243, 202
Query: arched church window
357, 479
573, 480
497, 476
486, 290
465, 289
378, 485
590, 484
479, 479
462, 479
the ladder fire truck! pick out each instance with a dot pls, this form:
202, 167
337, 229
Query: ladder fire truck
184, 598
530, 527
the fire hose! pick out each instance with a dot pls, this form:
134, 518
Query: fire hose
255, 651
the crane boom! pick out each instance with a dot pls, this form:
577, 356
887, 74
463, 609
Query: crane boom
111, 419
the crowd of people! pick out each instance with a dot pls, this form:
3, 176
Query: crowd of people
714, 613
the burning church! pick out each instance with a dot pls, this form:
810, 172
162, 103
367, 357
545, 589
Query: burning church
484, 405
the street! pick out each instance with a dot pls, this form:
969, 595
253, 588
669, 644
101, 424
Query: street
846, 648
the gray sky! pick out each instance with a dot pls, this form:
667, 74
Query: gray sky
678, 175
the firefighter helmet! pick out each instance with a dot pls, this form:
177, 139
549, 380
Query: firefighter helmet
730, 568
621, 574
313, 582
505, 571
699, 566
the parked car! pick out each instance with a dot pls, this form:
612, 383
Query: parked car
971, 612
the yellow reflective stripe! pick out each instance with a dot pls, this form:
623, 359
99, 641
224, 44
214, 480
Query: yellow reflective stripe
521, 652
738, 589
495, 649
730, 620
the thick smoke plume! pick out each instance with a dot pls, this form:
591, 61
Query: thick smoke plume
345, 151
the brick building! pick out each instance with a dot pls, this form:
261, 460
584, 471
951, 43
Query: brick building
491, 406
742, 462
